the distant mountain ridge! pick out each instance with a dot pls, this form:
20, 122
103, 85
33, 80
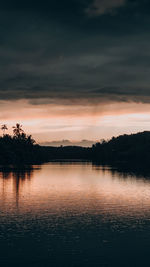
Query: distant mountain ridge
84, 143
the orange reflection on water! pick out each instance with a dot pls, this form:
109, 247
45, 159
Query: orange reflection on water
74, 188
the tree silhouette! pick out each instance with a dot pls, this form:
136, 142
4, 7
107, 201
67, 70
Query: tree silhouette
4, 128
17, 130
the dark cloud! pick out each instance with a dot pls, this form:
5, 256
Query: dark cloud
53, 51
100, 7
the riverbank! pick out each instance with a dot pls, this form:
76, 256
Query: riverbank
129, 150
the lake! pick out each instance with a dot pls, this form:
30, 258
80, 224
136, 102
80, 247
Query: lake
74, 214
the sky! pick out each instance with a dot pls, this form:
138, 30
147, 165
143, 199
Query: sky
75, 69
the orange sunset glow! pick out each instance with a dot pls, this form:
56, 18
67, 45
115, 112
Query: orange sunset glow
50, 122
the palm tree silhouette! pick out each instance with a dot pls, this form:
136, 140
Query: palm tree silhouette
17, 130
4, 128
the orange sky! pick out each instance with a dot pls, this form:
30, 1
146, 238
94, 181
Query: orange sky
49, 122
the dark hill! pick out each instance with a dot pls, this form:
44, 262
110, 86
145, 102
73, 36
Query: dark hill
134, 149
129, 149
124, 148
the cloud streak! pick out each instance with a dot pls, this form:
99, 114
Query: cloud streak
100, 7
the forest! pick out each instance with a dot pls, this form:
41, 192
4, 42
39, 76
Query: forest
21, 148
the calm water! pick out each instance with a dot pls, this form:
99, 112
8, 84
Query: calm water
74, 214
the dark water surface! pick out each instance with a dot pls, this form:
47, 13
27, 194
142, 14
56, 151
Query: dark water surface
74, 214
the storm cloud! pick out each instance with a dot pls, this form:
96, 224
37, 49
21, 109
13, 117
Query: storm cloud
75, 51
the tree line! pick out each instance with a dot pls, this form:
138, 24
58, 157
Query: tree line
132, 149
18, 133
21, 148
